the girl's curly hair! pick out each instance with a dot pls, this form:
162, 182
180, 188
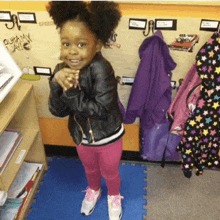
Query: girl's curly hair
101, 17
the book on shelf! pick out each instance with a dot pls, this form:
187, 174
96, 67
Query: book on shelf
25, 174
10, 209
10, 71
20, 190
5, 78
28, 189
9, 142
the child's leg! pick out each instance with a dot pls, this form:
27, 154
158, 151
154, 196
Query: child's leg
89, 159
109, 159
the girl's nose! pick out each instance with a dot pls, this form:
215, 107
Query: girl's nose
73, 50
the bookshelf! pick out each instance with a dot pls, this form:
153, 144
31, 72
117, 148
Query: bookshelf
18, 112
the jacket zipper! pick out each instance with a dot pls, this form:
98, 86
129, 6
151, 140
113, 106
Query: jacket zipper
79, 127
191, 92
91, 131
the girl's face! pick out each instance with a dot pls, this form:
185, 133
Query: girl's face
78, 44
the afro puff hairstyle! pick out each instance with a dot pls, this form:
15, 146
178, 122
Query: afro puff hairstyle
101, 17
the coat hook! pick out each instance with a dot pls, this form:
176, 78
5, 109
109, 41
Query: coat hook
112, 41
150, 28
15, 21
118, 78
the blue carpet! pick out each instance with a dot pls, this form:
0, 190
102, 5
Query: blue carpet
60, 194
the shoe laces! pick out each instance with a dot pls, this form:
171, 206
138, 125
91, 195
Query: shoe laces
90, 194
115, 201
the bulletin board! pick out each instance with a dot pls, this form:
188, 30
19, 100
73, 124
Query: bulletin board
35, 48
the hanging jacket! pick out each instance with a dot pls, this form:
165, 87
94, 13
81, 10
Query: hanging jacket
184, 101
150, 99
151, 92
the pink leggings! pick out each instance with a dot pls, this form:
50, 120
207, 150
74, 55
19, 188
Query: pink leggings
102, 162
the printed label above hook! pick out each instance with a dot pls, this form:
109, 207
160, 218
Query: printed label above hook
5, 16
209, 25
165, 24
27, 17
137, 23
42, 70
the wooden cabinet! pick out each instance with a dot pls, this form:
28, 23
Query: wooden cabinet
18, 112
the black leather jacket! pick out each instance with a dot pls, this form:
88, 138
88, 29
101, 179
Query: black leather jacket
94, 109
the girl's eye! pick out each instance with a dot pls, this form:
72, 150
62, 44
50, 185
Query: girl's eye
81, 45
66, 44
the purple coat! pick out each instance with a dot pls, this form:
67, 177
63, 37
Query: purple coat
151, 92
150, 98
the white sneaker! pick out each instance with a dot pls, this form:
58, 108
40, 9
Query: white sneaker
114, 207
89, 201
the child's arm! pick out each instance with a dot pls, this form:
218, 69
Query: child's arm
59, 82
104, 93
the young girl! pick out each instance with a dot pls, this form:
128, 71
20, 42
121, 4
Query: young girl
84, 87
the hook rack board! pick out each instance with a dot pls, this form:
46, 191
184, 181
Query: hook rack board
43, 50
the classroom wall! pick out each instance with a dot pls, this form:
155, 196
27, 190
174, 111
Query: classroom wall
44, 41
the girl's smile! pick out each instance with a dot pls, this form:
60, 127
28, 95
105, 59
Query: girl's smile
78, 44
74, 63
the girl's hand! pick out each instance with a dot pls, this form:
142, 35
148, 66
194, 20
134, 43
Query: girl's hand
67, 78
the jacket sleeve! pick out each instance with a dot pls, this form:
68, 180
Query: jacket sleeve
57, 106
137, 97
103, 97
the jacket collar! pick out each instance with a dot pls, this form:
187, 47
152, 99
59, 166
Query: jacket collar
148, 41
